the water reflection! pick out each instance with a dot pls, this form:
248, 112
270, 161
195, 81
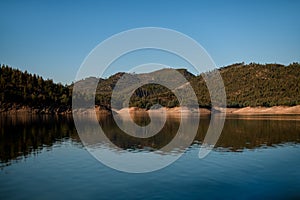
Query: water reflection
125, 141
250, 132
24, 135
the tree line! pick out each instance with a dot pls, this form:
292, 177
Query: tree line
23, 88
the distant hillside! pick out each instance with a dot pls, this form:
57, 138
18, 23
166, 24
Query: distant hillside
245, 84
255, 85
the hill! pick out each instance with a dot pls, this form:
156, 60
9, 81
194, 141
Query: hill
256, 85
245, 84
24, 90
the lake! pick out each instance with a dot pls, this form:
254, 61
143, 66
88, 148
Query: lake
42, 157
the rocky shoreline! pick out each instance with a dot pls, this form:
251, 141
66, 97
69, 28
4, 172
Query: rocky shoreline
21, 109
66, 110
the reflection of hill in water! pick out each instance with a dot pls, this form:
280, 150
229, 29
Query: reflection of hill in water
23, 135
240, 133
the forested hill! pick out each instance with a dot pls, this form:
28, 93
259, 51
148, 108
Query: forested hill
245, 84
259, 85
19, 89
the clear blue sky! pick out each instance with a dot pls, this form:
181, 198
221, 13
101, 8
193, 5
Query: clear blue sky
51, 38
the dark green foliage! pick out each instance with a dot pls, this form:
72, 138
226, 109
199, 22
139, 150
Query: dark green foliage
26, 89
262, 85
151, 94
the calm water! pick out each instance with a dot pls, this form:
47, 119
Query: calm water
41, 157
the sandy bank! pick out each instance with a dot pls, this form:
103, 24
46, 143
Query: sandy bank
276, 110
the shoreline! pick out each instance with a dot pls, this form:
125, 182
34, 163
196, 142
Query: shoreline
275, 110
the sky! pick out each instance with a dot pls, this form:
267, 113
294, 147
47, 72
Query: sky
52, 38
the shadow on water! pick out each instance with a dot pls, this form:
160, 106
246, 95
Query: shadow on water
25, 135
